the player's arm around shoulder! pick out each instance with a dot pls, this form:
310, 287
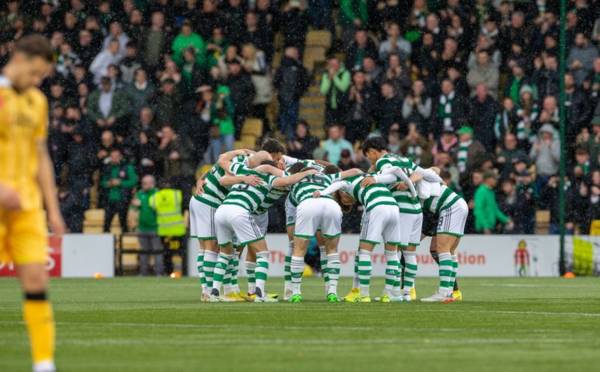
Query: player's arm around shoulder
293, 179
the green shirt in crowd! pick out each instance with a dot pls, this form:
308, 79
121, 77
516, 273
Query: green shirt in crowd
487, 213
125, 173
147, 218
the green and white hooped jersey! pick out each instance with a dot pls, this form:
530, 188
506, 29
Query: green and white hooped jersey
404, 199
307, 163
214, 193
250, 197
436, 204
274, 194
370, 196
305, 188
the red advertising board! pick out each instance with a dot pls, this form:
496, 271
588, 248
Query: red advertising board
54, 260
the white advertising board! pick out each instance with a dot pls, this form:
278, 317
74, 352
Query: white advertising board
478, 255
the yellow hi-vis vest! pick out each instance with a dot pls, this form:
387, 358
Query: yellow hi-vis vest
169, 216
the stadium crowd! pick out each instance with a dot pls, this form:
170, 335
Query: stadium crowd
163, 87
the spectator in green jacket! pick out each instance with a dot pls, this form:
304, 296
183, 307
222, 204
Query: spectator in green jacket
486, 211
186, 39
118, 179
334, 86
147, 226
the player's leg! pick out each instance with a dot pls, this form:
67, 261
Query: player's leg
290, 216
388, 222
331, 228
321, 242
307, 220
202, 226
365, 268
410, 259
251, 271
262, 270
225, 234
355, 291
405, 224
457, 215
250, 234
24, 235
333, 267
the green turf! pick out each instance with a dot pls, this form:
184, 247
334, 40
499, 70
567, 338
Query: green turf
135, 324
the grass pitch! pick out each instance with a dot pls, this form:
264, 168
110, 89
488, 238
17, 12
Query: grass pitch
147, 324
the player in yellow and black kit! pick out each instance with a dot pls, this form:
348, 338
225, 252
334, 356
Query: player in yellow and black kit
26, 185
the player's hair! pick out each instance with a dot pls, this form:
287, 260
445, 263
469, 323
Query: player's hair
374, 143
271, 145
444, 174
35, 45
296, 168
269, 162
331, 169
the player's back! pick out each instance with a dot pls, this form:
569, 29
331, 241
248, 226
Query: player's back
23, 121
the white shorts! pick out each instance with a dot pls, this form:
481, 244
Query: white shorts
202, 220
262, 221
318, 214
290, 212
410, 229
234, 221
452, 220
383, 221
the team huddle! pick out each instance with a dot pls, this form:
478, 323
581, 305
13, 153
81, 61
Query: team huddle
230, 212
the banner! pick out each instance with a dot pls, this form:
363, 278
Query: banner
478, 255
583, 254
76, 256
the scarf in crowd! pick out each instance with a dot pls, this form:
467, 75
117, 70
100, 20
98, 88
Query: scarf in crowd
502, 124
462, 155
524, 131
413, 152
445, 110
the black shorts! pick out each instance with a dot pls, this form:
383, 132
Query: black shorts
430, 222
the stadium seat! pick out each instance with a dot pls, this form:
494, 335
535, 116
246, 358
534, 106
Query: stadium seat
542, 221
253, 127
238, 145
130, 242
313, 55
318, 38
93, 221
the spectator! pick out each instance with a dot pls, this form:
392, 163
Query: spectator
577, 108
450, 110
188, 39
546, 154
397, 75
242, 92
546, 79
469, 152
259, 35
255, 64
389, 109
416, 147
336, 143
361, 47
484, 72
107, 108
353, 14
140, 90
509, 154
303, 144
294, 24
581, 57
109, 56
147, 228
174, 158
486, 211
592, 143
291, 80
155, 41
116, 33
166, 102
506, 120
395, 43
130, 63
118, 178
361, 102
416, 107
335, 84
483, 117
